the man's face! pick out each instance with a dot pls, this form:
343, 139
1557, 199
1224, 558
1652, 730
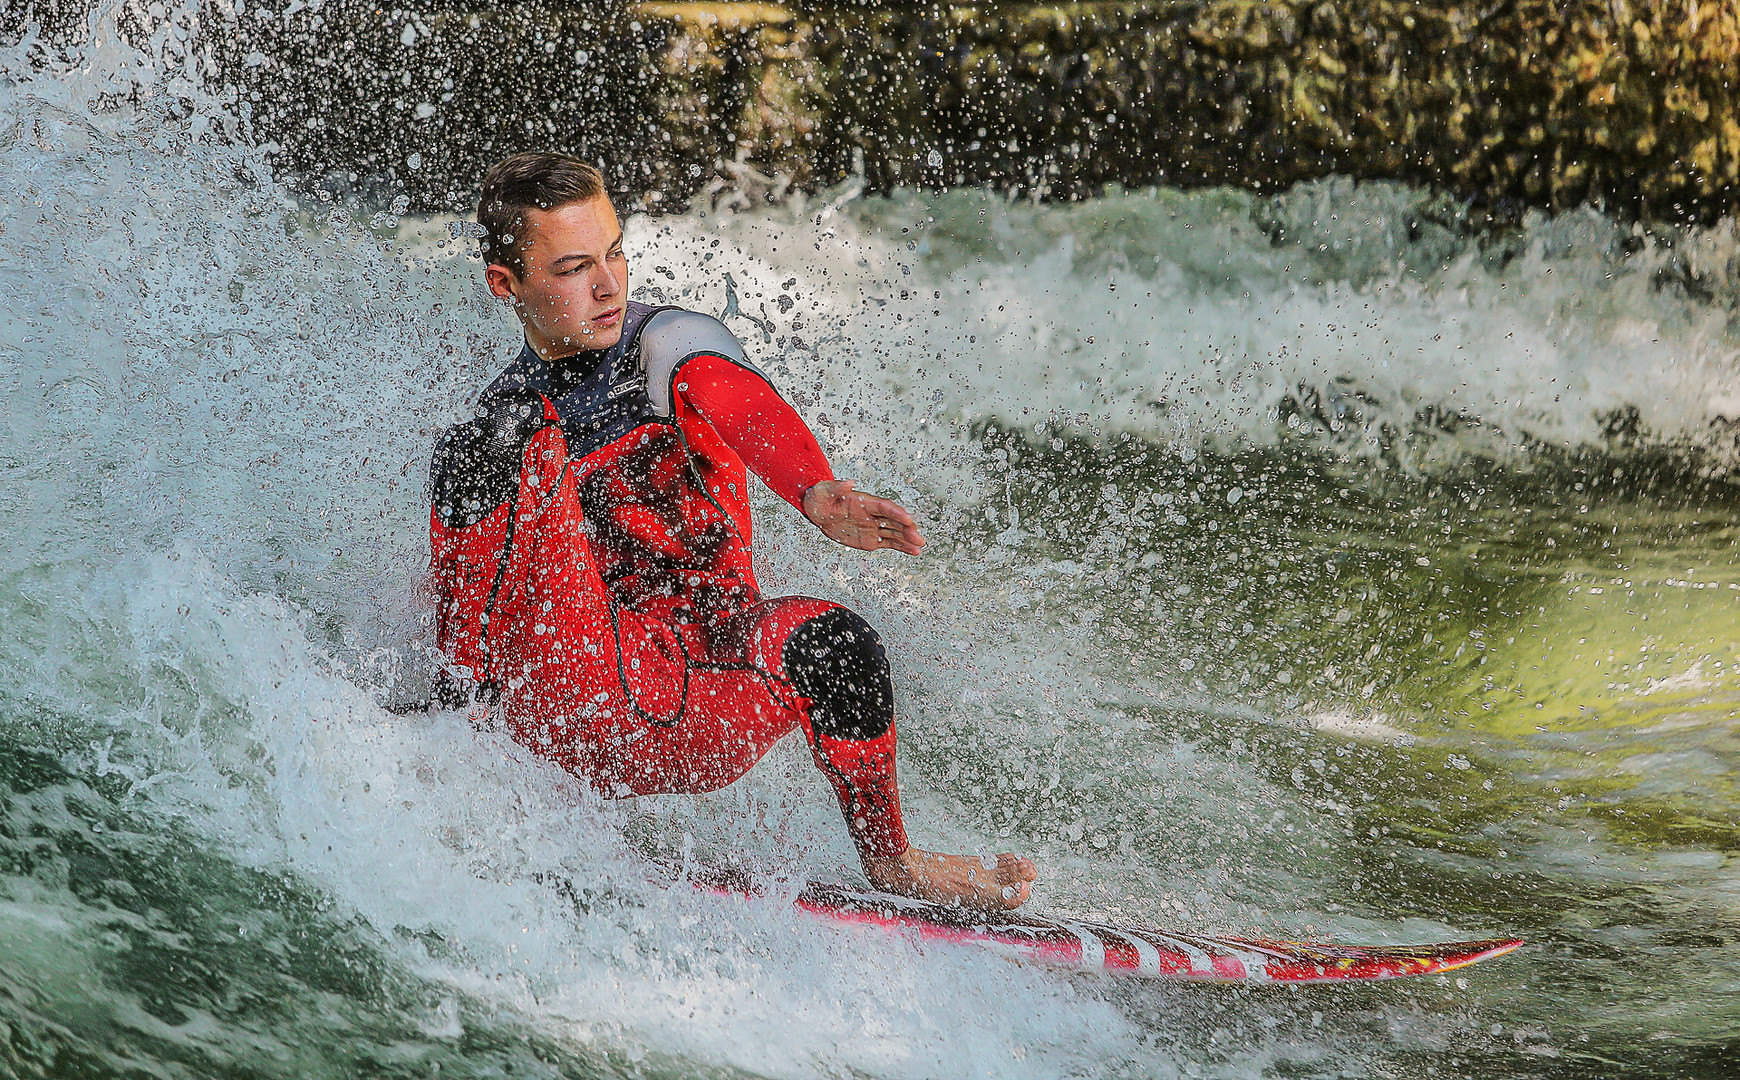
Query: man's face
571, 293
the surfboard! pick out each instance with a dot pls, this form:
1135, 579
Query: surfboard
1137, 951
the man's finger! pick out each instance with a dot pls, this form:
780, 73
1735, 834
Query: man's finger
889, 509
907, 535
900, 537
893, 521
877, 507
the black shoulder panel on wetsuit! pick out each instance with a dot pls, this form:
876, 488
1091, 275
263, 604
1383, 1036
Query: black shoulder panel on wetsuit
477, 463
838, 662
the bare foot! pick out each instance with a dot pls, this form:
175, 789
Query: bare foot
954, 879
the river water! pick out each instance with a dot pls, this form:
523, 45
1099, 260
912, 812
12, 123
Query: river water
1312, 565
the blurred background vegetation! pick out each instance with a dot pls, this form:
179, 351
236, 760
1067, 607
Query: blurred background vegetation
1628, 106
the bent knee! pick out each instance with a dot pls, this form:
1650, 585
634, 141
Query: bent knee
837, 661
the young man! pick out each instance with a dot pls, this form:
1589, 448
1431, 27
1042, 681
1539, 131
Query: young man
591, 537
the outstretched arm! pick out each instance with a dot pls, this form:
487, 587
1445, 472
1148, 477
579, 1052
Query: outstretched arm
773, 440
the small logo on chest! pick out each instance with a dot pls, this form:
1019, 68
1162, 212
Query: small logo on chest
627, 384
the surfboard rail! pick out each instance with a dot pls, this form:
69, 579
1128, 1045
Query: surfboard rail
1137, 951
1086, 945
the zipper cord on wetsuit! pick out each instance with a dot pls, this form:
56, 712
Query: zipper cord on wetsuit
688, 663
701, 482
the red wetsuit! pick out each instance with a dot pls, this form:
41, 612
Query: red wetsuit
592, 563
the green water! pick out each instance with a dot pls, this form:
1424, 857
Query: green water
1501, 699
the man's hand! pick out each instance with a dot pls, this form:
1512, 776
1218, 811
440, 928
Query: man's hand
860, 521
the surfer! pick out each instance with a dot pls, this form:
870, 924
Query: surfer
591, 546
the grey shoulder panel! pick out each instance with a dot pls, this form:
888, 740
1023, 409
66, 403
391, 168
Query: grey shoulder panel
670, 337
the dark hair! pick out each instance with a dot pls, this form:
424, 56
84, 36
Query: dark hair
534, 181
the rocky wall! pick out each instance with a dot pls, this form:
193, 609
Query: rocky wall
1633, 105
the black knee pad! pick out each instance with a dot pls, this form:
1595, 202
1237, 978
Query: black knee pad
838, 662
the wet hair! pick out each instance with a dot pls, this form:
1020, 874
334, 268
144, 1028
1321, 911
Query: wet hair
533, 181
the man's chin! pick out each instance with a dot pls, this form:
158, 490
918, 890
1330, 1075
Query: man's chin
598, 339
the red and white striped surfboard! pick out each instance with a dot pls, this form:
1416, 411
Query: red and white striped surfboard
1083, 945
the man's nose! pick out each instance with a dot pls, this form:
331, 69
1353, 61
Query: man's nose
605, 285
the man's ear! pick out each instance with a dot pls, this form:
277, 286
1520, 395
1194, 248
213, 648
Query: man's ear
501, 281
